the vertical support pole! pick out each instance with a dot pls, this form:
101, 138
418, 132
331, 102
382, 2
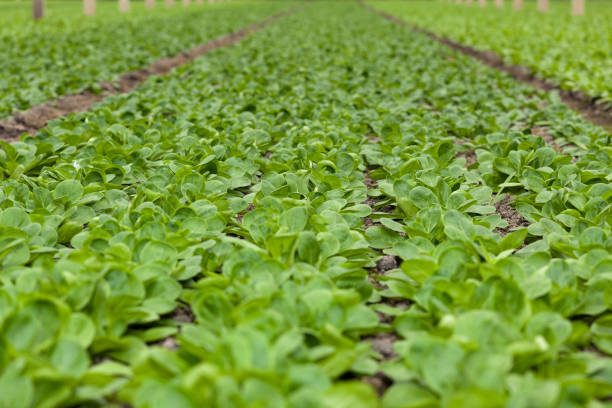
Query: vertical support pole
469, 2
517, 4
543, 6
459, 1
89, 7
199, 2
149, 4
38, 9
186, 3
577, 7
124, 5
482, 3
169, 3
499, 3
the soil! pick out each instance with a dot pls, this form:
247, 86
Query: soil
510, 215
386, 263
183, 314
469, 156
38, 116
240, 216
379, 382
576, 100
369, 182
543, 133
382, 344
169, 343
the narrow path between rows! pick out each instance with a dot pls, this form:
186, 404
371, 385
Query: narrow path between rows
37, 117
576, 100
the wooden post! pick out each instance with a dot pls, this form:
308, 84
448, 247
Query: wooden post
169, 3
89, 7
186, 3
149, 4
482, 3
124, 5
38, 9
543, 6
459, 1
517, 4
577, 7
469, 2
499, 3
199, 2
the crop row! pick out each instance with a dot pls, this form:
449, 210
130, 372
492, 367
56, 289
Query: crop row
77, 55
335, 206
573, 52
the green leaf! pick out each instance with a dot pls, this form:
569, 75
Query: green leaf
422, 197
68, 191
351, 395
409, 396
294, 219
70, 358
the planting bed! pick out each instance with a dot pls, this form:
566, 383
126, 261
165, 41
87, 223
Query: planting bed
573, 52
67, 55
335, 212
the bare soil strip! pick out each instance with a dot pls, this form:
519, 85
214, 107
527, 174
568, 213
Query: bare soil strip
510, 215
382, 343
576, 100
37, 117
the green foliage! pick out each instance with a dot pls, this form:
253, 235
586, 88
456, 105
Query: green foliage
201, 242
570, 51
67, 52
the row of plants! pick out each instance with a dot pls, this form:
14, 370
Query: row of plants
334, 208
65, 55
573, 52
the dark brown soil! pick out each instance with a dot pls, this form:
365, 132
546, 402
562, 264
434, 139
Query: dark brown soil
543, 133
469, 156
240, 216
37, 117
369, 182
386, 263
383, 265
578, 101
379, 382
368, 222
183, 314
383, 344
168, 343
398, 303
510, 215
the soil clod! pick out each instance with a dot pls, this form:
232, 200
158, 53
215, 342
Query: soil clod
183, 314
379, 382
510, 215
386, 263
469, 156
